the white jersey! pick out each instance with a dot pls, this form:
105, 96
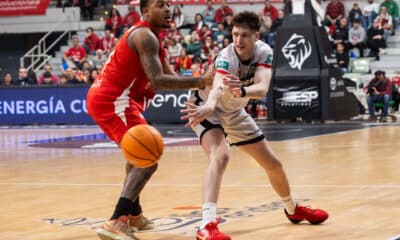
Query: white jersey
228, 62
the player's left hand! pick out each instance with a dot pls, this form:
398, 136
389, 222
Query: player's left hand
195, 114
233, 83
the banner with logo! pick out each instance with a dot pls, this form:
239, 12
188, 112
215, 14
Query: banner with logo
67, 105
23, 7
296, 99
200, 2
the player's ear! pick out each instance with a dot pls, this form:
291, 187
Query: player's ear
257, 35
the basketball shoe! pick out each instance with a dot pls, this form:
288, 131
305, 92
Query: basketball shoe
211, 232
314, 216
115, 230
139, 222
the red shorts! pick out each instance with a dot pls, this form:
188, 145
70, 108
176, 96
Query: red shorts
115, 118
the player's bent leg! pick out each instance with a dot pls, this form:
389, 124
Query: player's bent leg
262, 152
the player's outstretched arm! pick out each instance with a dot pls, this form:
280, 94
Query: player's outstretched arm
258, 90
147, 47
196, 114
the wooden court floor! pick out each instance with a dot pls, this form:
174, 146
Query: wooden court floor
65, 192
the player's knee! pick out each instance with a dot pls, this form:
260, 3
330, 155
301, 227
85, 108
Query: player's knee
221, 161
273, 164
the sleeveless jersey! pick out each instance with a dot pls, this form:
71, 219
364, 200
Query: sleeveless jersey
123, 76
228, 62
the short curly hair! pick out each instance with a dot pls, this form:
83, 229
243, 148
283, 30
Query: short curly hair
247, 19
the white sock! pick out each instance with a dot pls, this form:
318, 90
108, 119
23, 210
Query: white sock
289, 204
209, 213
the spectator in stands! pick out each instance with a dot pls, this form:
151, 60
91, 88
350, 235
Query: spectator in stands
177, 17
370, 12
91, 42
72, 76
195, 45
219, 34
198, 22
99, 59
48, 68
223, 11
385, 22
274, 28
355, 13
208, 46
183, 62
209, 14
392, 8
76, 54
7, 80
23, 78
93, 75
107, 42
357, 37
341, 33
226, 42
174, 33
133, 16
270, 10
47, 79
379, 89
204, 32
87, 8
342, 57
228, 26
63, 79
114, 22
265, 26
174, 50
333, 13
375, 39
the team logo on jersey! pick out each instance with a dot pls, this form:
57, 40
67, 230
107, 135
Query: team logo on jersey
269, 59
296, 50
223, 64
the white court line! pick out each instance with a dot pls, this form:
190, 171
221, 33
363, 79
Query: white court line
196, 185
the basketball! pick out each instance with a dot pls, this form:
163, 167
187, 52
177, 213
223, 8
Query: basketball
142, 145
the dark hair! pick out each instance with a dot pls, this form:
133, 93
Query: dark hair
143, 4
47, 74
379, 72
247, 19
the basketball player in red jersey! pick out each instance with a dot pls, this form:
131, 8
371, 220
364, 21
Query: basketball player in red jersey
134, 70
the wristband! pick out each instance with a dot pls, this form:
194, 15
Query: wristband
242, 91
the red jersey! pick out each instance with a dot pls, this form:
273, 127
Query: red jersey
123, 76
76, 54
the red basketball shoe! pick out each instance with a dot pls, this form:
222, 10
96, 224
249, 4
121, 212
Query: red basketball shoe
314, 216
211, 232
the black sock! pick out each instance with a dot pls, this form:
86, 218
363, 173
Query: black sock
122, 209
136, 209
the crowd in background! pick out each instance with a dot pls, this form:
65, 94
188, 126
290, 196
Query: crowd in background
192, 47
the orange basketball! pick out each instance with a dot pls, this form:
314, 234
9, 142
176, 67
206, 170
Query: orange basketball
142, 145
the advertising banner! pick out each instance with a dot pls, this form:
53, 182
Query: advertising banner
295, 99
23, 7
200, 2
67, 105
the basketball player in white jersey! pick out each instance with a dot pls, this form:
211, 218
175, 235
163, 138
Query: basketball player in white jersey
218, 117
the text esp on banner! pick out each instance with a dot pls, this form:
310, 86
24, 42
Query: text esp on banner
23, 7
200, 2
